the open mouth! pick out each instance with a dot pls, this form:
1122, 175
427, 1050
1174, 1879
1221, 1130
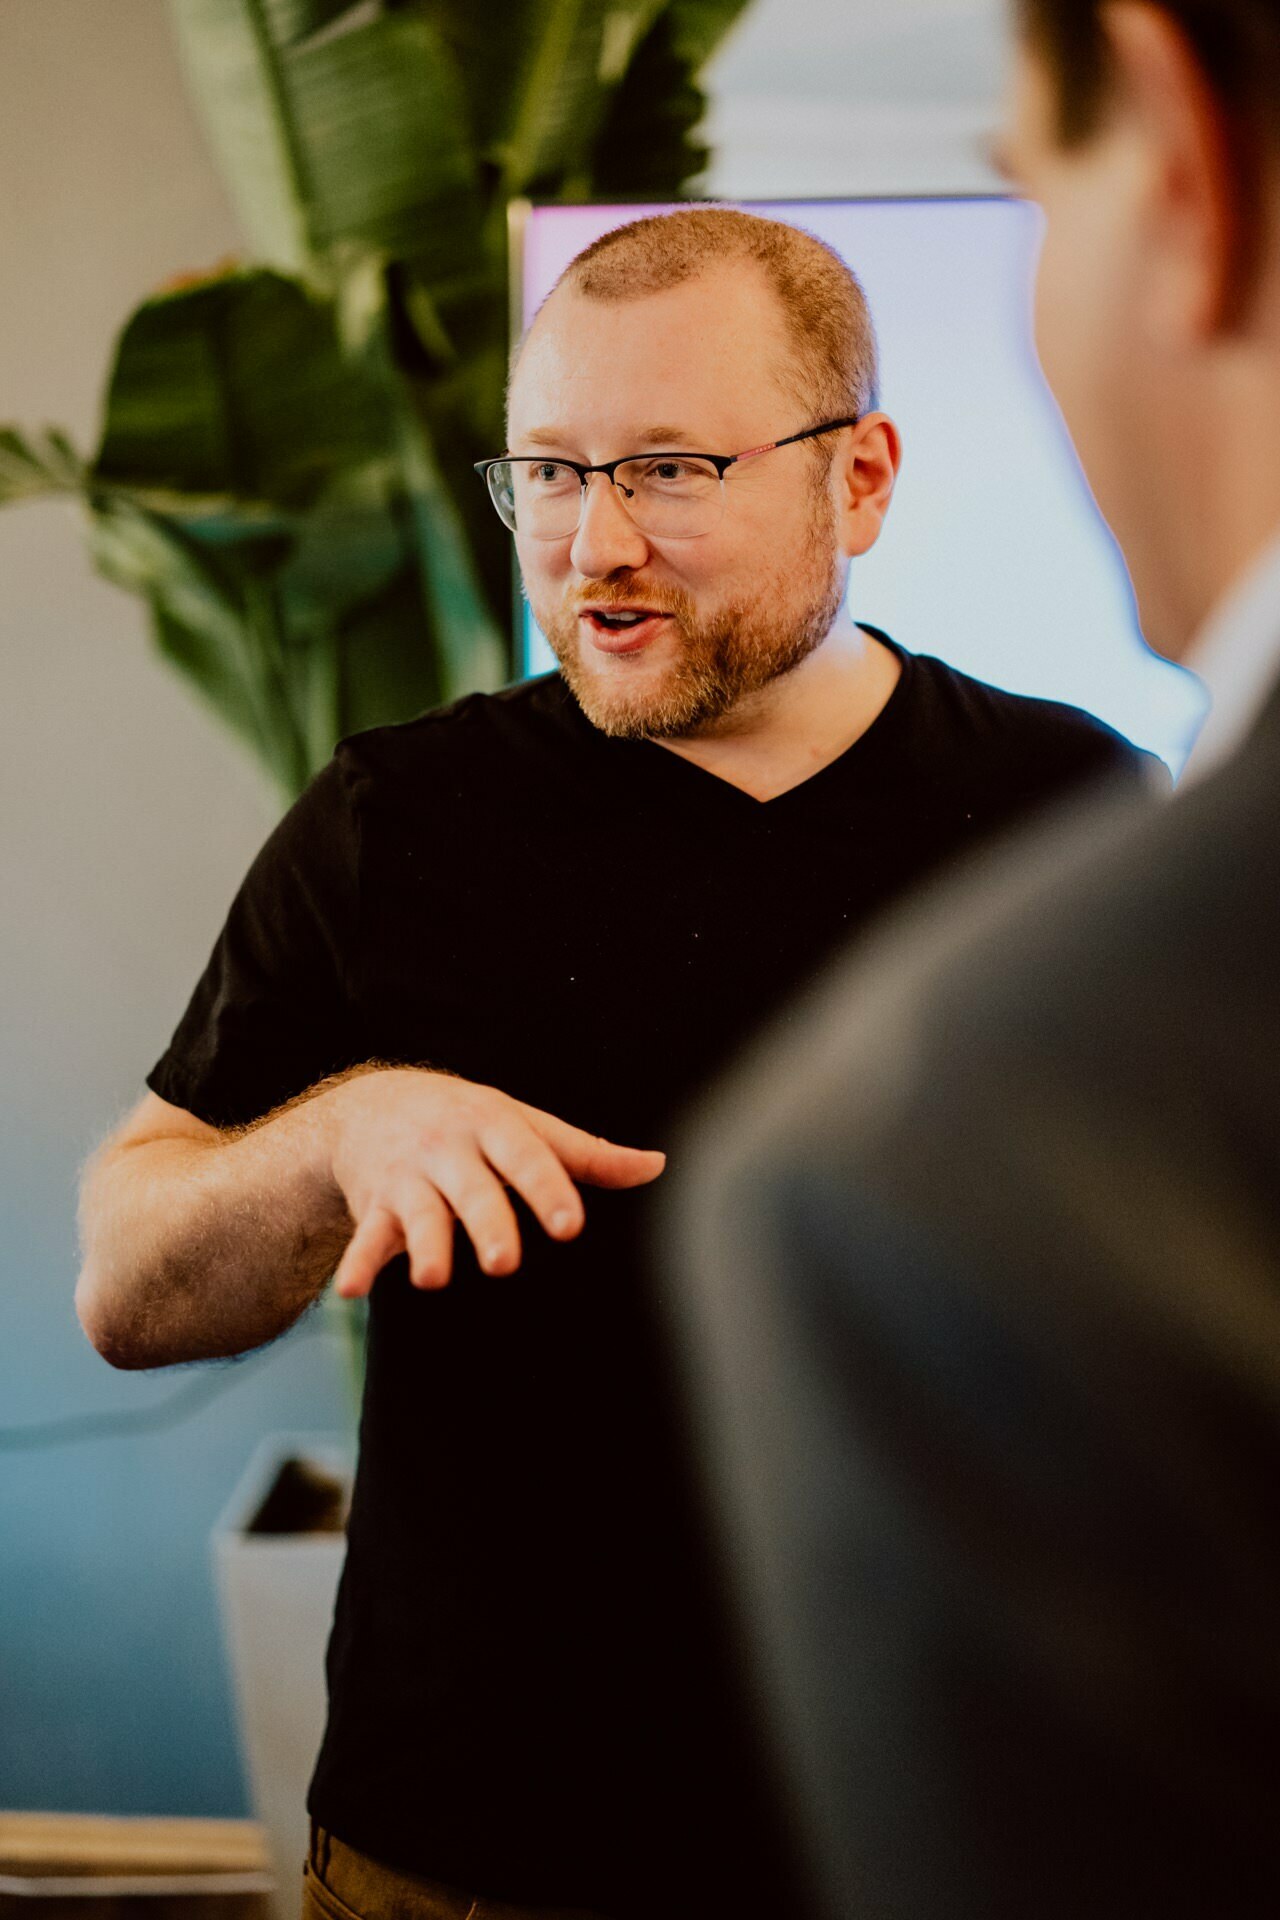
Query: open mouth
622, 629
620, 619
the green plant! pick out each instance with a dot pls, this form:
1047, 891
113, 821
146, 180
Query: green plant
285, 473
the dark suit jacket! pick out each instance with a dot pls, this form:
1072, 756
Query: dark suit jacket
978, 1263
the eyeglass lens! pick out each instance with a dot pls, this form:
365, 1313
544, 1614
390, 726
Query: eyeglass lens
673, 498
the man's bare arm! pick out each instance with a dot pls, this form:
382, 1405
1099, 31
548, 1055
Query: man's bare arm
199, 1243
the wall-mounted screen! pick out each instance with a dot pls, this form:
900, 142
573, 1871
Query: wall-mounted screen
994, 556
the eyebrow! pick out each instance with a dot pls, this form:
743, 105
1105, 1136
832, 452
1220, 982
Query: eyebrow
651, 437
664, 437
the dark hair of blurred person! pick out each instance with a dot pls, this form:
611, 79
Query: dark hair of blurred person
1235, 42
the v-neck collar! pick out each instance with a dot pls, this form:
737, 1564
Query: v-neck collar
651, 761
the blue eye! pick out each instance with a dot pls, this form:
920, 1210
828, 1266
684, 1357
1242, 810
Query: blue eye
674, 476
551, 476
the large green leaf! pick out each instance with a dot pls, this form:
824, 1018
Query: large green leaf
347, 549
239, 387
382, 124
224, 684
151, 557
228, 50
264, 487
537, 89
205, 628
291, 20
252, 486
647, 146
291, 656
354, 137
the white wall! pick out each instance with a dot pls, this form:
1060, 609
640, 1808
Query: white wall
835, 97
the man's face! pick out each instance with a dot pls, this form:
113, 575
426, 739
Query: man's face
696, 368
1118, 390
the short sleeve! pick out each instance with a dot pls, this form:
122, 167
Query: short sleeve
276, 1007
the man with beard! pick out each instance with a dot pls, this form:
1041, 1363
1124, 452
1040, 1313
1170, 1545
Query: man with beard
986, 1249
480, 949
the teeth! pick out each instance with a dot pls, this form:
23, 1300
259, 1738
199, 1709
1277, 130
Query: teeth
625, 619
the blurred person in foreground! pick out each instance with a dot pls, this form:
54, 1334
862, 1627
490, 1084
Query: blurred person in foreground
982, 1256
480, 942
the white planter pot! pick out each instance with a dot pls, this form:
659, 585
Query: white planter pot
276, 1592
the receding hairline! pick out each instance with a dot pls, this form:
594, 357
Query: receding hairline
822, 310
740, 267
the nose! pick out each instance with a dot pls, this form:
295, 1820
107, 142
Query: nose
607, 536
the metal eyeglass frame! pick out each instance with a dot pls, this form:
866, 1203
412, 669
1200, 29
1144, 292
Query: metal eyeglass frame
720, 461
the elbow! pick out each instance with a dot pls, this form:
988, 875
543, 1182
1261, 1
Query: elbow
104, 1330
101, 1303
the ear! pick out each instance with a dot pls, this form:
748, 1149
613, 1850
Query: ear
1201, 228
863, 476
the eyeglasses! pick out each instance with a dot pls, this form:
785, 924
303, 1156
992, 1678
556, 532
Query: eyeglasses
673, 496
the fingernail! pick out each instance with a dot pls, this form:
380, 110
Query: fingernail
564, 1221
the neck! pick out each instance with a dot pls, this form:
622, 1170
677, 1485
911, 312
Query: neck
777, 738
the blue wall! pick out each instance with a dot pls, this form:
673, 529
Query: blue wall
114, 1692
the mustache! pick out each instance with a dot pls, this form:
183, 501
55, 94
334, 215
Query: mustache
625, 593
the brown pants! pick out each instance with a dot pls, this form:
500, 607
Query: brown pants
340, 1884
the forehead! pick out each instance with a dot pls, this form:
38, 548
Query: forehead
711, 355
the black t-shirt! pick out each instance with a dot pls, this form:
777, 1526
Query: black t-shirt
530, 1690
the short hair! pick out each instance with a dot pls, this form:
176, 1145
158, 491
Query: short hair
1236, 41
835, 366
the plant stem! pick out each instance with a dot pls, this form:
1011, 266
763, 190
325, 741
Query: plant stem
263, 623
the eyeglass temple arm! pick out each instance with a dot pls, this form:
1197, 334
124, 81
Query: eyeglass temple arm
723, 460
809, 433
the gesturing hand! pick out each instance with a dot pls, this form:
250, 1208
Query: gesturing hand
414, 1151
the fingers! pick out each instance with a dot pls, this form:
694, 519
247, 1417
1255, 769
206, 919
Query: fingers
418, 1223
476, 1196
523, 1159
601, 1164
587, 1157
457, 1170
378, 1238
428, 1234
